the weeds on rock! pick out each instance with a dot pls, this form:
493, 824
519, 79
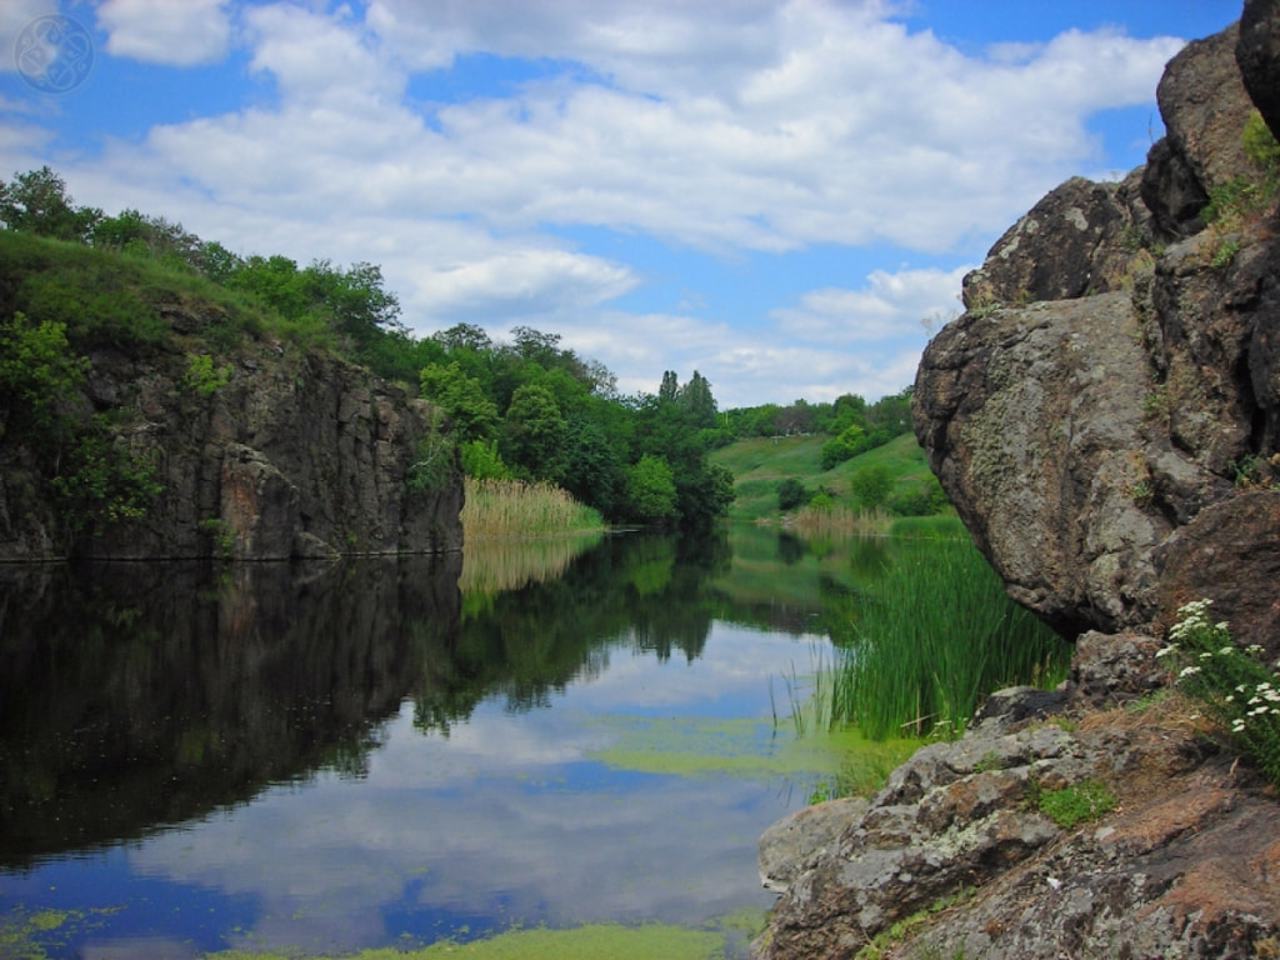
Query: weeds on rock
1237, 689
1076, 804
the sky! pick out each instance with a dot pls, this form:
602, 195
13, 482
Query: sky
781, 194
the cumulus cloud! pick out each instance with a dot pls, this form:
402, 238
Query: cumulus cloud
161, 31
890, 305
765, 125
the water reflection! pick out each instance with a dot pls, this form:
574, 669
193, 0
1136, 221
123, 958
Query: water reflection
138, 695
330, 759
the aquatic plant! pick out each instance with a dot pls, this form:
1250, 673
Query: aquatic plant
930, 638
514, 508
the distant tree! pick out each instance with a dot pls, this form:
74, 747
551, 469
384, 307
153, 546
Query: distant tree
463, 336
670, 388
797, 418
697, 399
851, 441
37, 202
480, 459
533, 433
594, 472
871, 485
651, 490
791, 494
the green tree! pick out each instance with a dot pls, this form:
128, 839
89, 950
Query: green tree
37, 202
474, 415
851, 441
698, 400
533, 433
480, 459
651, 490
670, 388
871, 486
39, 376
791, 494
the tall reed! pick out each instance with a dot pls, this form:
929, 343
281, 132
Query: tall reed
834, 522
932, 637
496, 509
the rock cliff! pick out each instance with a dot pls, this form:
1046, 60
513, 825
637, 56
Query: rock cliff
299, 454
1112, 387
1106, 418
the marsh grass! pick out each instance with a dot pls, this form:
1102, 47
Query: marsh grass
930, 638
835, 522
497, 509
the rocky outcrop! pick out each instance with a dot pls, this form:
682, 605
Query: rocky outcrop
1204, 106
962, 834
299, 454
1106, 418
1078, 433
1255, 53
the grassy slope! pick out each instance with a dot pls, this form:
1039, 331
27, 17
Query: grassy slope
759, 465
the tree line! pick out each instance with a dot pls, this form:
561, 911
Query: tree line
527, 407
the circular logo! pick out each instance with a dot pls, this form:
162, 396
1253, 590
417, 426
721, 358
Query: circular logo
54, 54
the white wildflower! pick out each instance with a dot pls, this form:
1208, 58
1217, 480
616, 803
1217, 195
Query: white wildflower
1227, 651
1165, 651
1206, 656
1188, 672
1253, 648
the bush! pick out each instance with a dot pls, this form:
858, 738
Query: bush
923, 500
1079, 803
792, 494
871, 485
480, 461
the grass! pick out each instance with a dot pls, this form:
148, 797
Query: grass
759, 464
933, 636
497, 509
1079, 803
945, 526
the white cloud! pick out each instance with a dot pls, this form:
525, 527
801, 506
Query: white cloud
758, 126
180, 34
890, 305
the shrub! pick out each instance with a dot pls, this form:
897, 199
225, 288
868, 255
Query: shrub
433, 464
792, 494
1236, 688
871, 485
651, 490
202, 377
104, 481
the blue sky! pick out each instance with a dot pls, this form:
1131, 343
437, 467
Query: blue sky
773, 192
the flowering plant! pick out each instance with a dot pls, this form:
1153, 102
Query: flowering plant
1236, 687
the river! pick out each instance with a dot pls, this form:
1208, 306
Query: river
319, 760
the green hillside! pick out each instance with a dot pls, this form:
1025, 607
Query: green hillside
758, 465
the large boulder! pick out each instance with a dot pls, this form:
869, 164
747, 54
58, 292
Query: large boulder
1204, 106
1034, 420
1079, 239
1258, 54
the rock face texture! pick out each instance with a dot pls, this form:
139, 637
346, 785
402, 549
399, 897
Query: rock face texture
1184, 867
1115, 376
300, 454
1106, 418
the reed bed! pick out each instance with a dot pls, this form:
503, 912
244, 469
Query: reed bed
930, 639
498, 509
834, 522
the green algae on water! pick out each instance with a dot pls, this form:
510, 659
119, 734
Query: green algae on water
749, 747
28, 935
601, 941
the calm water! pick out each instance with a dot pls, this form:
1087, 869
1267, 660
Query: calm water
379, 754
